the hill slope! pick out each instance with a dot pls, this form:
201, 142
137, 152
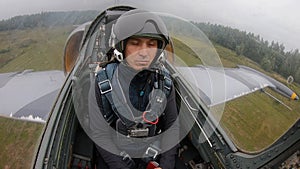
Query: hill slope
38, 49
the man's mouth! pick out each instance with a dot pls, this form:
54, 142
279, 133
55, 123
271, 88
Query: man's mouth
142, 62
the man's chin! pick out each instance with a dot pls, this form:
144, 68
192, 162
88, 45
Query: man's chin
140, 68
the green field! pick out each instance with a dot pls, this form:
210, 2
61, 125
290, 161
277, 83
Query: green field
17, 142
37, 49
253, 121
256, 120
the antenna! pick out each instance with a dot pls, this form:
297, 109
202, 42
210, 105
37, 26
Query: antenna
273, 97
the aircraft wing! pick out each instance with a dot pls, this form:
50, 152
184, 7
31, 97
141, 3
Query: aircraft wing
234, 83
29, 95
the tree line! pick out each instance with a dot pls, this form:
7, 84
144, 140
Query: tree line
272, 56
47, 19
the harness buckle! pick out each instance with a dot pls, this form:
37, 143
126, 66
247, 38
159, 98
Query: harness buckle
151, 152
105, 86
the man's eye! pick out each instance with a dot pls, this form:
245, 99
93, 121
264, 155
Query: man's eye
134, 42
152, 44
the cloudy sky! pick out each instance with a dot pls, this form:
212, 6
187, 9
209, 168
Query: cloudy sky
276, 20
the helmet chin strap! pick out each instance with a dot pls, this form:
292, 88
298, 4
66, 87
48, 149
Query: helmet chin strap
161, 57
158, 60
118, 55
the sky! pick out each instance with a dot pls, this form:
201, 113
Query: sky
274, 20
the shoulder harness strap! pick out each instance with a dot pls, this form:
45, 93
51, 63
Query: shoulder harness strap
103, 78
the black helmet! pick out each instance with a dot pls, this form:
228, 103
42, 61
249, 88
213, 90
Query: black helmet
138, 22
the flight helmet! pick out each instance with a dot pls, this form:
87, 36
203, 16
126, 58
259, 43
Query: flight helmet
140, 23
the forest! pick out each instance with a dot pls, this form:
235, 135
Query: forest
272, 56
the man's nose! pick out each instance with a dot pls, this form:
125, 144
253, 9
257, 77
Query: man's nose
143, 51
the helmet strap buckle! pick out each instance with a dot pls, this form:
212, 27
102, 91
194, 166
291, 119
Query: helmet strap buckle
118, 55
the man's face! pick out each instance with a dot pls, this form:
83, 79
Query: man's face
140, 52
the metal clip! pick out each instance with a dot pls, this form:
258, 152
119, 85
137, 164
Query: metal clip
151, 152
105, 86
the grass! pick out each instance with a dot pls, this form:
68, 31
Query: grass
38, 49
230, 59
17, 142
182, 49
256, 120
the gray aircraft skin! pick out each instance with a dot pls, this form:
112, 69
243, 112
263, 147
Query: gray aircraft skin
65, 143
35, 93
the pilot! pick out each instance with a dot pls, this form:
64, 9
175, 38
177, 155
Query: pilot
136, 96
